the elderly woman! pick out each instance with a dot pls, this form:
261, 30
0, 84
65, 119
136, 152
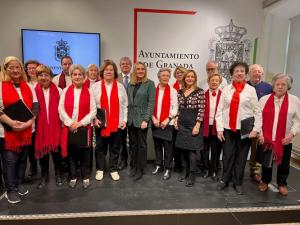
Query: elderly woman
262, 88
191, 102
141, 97
211, 141
110, 96
48, 126
238, 104
32, 79
178, 75
77, 110
280, 124
92, 75
14, 144
165, 110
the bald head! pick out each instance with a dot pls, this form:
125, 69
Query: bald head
211, 67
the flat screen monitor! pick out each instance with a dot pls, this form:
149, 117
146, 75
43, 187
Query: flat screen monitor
49, 46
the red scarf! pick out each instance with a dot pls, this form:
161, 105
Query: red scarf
176, 85
165, 105
83, 110
268, 115
207, 112
14, 140
62, 80
112, 109
234, 104
47, 135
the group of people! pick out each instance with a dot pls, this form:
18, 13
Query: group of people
77, 113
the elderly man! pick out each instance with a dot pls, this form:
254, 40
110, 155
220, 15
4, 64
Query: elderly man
211, 68
124, 78
262, 88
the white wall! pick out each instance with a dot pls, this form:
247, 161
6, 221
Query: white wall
114, 20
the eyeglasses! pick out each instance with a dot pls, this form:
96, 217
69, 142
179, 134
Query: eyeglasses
12, 68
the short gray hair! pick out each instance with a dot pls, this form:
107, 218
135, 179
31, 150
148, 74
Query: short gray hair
288, 78
76, 67
125, 58
260, 67
162, 70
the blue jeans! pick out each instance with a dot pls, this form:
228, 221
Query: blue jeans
14, 166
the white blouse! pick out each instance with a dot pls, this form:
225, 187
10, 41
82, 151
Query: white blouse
293, 115
123, 99
64, 116
173, 105
248, 107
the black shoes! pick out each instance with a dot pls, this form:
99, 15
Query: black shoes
122, 165
22, 190
59, 181
12, 197
239, 189
167, 174
190, 181
43, 182
183, 175
139, 174
205, 174
214, 177
222, 185
132, 172
157, 170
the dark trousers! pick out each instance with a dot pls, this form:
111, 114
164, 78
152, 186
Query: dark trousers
102, 144
44, 163
32, 160
163, 152
176, 153
213, 144
79, 157
123, 142
235, 152
189, 160
1, 171
138, 147
283, 169
14, 166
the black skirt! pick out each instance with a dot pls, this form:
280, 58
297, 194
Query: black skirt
185, 139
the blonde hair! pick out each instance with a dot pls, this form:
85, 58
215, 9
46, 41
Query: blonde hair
89, 67
43, 69
76, 67
184, 76
5, 76
179, 68
133, 79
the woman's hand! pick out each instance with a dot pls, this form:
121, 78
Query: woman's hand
196, 129
97, 123
220, 136
74, 126
288, 139
144, 125
17, 125
253, 134
261, 139
155, 121
176, 123
123, 125
164, 123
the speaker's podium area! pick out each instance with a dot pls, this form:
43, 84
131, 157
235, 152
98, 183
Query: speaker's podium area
152, 200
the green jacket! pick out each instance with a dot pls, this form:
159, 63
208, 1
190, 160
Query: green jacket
141, 107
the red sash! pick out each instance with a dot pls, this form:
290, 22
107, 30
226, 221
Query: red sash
207, 112
176, 85
268, 115
47, 135
234, 104
165, 105
14, 140
112, 109
62, 80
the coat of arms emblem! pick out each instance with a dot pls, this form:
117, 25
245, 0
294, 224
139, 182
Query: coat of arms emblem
229, 47
61, 49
